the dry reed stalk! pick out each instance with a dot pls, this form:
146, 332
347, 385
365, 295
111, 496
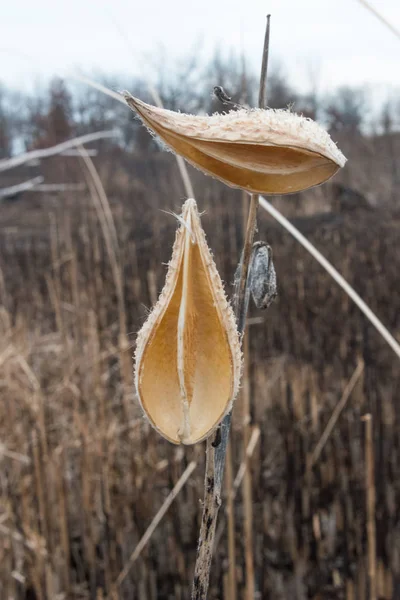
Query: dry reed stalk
388, 584
25, 186
350, 594
8, 586
314, 404
104, 213
247, 478
99, 287
152, 286
11, 163
370, 506
22, 458
55, 261
17, 537
337, 411
153, 584
3, 295
361, 581
88, 536
387, 336
381, 18
55, 301
380, 579
106, 219
155, 522
63, 518
230, 577
255, 436
237, 482
36, 578
41, 493
103, 448
73, 281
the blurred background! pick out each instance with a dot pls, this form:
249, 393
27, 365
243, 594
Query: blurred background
83, 244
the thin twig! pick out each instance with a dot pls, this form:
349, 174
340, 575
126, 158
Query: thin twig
20, 187
333, 273
102, 196
108, 229
336, 414
370, 502
155, 522
262, 94
97, 86
14, 455
216, 445
16, 161
255, 436
388, 24
52, 188
20, 539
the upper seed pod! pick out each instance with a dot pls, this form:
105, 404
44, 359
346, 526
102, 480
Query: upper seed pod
262, 151
188, 358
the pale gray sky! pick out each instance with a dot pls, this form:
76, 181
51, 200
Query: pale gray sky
339, 40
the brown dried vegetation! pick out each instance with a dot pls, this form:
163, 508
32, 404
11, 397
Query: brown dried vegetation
82, 474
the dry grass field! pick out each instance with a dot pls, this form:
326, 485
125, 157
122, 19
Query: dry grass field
82, 474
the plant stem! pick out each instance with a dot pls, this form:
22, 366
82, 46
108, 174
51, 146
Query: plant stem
262, 95
216, 445
371, 503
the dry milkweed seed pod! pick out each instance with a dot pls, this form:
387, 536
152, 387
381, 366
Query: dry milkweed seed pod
188, 357
261, 151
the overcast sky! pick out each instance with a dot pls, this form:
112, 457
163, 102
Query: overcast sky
337, 40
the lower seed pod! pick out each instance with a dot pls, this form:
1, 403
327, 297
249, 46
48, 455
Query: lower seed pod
188, 357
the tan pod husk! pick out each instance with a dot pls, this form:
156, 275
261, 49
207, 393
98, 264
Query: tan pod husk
261, 151
188, 357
